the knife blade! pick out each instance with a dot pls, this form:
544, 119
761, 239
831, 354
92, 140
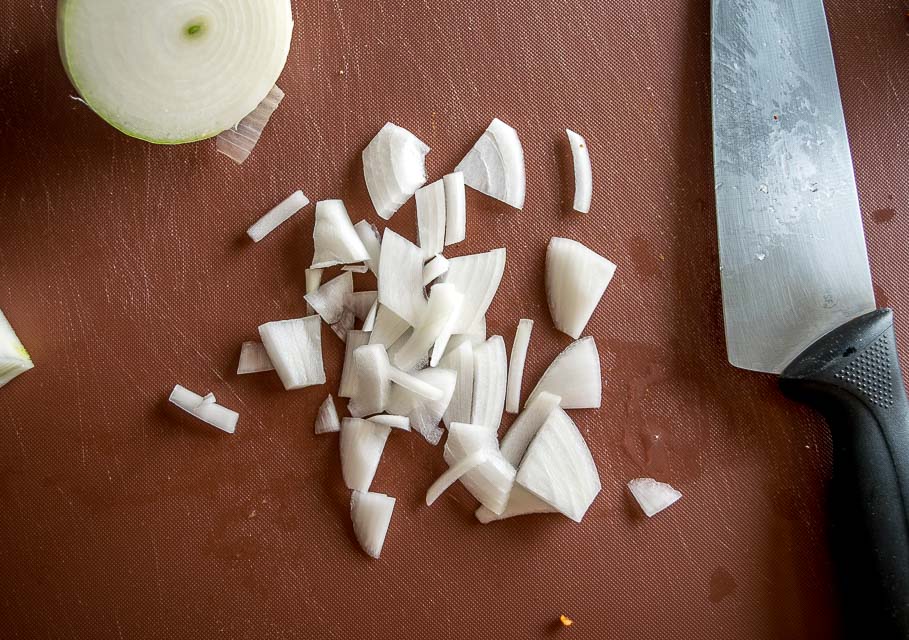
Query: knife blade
796, 286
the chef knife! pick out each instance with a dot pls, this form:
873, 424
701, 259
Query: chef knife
797, 294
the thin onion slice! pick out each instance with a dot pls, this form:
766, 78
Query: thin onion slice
460, 360
328, 300
240, 140
455, 208
576, 279
344, 324
362, 444
520, 503
394, 166
205, 409
490, 482
435, 268
489, 383
526, 425
401, 278
355, 340
371, 239
495, 165
574, 376
516, 365
371, 516
335, 240
278, 215
476, 276
388, 327
327, 418
369, 322
653, 496
360, 303
313, 281
425, 414
583, 176
14, 359
374, 378
395, 422
454, 473
431, 218
355, 268
295, 348
253, 359
434, 327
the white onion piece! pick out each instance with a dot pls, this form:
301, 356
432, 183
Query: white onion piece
435, 268
431, 218
159, 71
490, 377
355, 340
520, 503
401, 277
362, 443
327, 418
653, 496
295, 348
394, 166
576, 279
328, 300
374, 375
490, 482
495, 165
454, 473
14, 359
239, 141
476, 276
360, 303
253, 359
434, 327
313, 281
558, 467
355, 268
371, 239
344, 324
279, 214
425, 414
370, 320
335, 240
574, 376
460, 360
395, 422
371, 516
455, 208
583, 175
516, 365
525, 427
388, 327
205, 409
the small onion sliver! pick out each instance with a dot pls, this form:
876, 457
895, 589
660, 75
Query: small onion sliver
454, 473
295, 348
362, 443
370, 238
335, 241
327, 419
455, 208
240, 140
14, 358
576, 279
583, 175
329, 299
393, 421
204, 408
516, 365
490, 373
435, 268
371, 516
653, 496
394, 166
278, 215
253, 359
495, 165
522, 431
431, 218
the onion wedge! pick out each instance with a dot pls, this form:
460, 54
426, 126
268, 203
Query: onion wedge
653, 496
371, 516
327, 418
489, 383
516, 365
362, 443
253, 359
355, 340
328, 300
454, 473
313, 281
425, 414
388, 327
394, 166
278, 215
295, 348
576, 279
491, 481
395, 422
401, 278
434, 269
495, 165
434, 327
431, 218
525, 427
360, 303
574, 376
583, 176
374, 378
335, 240
369, 322
239, 141
460, 360
205, 409
455, 208
14, 359
371, 239
477, 277
520, 503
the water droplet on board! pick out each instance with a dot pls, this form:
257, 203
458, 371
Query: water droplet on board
764, 188
760, 255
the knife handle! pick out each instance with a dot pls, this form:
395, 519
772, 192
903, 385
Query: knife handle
852, 375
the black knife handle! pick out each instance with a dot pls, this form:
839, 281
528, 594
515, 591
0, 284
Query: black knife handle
852, 375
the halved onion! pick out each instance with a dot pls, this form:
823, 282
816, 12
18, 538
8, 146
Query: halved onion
574, 376
335, 240
424, 413
279, 214
362, 443
576, 279
253, 359
328, 300
371, 516
239, 141
477, 277
431, 218
495, 165
401, 278
394, 165
327, 418
295, 348
460, 360
653, 496
516, 365
14, 359
525, 427
583, 176
490, 378
455, 208
205, 409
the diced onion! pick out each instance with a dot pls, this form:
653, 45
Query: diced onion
583, 176
460, 360
240, 140
394, 168
425, 414
335, 240
477, 277
516, 365
431, 218
295, 348
328, 300
360, 303
370, 320
455, 208
401, 277
395, 422
576, 279
495, 165
371, 516
362, 443
205, 409
327, 418
313, 279
653, 496
371, 239
489, 383
14, 359
355, 268
574, 376
454, 473
253, 359
388, 327
525, 427
434, 327
491, 481
520, 503
279, 214
434, 269
347, 386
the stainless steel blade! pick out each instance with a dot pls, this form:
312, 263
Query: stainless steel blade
792, 249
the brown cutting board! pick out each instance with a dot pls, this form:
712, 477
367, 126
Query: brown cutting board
124, 268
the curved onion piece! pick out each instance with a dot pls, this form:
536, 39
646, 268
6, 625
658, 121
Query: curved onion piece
395, 422
476, 276
516, 365
490, 378
525, 427
371, 515
360, 303
653, 496
460, 360
576, 279
362, 443
520, 503
401, 278
14, 359
454, 473
558, 467
425, 414
434, 327
239, 141
490, 482
369, 322
313, 281
394, 165
374, 376
205, 409
157, 71
328, 300
455, 208
335, 240
295, 348
431, 218
371, 239
388, 327
349, 380
327, 418
253, 359
583, 176
434, 269
355, 268
279, 214
495, 165
574, 376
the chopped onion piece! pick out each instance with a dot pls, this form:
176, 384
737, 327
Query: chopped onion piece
355, 340
239, 141
362, 443
388, 327
328, 300
335, 240
370, 238
360, 303
476, 276
558, 467
281, 213
313, 281
489, 382
295, 348
525, 427
516, 365
327, 419
653, 496
14, 359
495, 165
455, 208
374, 377
454, 473
205, 409
370, 320
435, 268
520, 503
431, 218
583, 176
253, 359
434, 327
401, 277
395, 422
355, 268
344, 324
574, 376
394, 165
460, 360
490, 482
425, 414
576, 279
371, 515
